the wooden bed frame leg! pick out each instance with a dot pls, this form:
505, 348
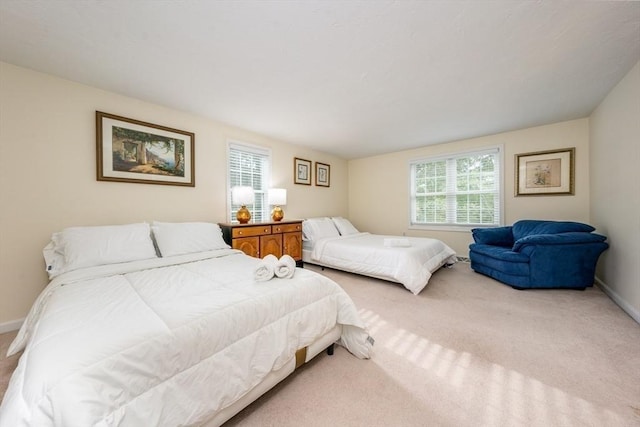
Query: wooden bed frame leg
330, 350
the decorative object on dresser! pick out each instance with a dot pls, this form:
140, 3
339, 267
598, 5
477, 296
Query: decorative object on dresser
323, 174
242, 196
261, 239
545, 173
277, 197
130, 150
301, 171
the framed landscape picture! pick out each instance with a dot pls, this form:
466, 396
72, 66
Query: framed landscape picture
323, 174
545, 173
301, 171
130, 150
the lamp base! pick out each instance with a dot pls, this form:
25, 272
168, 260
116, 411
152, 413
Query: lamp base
243, 215
277, 213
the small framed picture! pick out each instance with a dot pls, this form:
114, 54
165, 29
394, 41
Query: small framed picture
301, 171
545, 173
130, 150
323, 172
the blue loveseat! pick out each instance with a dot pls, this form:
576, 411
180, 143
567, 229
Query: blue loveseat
538, 254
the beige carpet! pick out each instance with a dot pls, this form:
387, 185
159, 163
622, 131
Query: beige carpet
7, 364
467, 351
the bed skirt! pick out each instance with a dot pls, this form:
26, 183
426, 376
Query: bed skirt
274, 377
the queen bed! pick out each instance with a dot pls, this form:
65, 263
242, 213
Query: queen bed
336, 243
121, 336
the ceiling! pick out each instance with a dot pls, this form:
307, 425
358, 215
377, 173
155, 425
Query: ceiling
349, 78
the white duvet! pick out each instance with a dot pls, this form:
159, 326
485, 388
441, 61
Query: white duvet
366, 254
165, 341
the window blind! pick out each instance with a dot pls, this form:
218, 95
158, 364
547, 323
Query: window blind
461, 189
249, 166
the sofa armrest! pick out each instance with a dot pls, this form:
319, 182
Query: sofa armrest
497, 236
557, 239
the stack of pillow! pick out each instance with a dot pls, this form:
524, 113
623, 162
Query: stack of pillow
82, 247
320, 228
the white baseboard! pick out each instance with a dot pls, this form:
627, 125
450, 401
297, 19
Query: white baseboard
631, 311
14, 325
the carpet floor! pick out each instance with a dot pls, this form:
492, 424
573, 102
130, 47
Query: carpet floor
467, 351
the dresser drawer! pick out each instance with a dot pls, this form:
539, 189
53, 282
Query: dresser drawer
257, 230
287, 228
267, 238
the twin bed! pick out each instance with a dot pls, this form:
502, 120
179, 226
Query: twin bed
180, 333
336, 243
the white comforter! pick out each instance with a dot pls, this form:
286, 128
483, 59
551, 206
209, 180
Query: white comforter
366, 254
165, 341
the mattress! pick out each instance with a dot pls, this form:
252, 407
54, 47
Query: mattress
363, 253
169, 341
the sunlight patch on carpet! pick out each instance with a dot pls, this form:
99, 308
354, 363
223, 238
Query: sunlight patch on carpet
509, 397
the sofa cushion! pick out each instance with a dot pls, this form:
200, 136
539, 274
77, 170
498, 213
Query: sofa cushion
571, 238
499, 259
528, 227
499, 253
498, 236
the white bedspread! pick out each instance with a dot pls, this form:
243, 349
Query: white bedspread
366, 254
165, 341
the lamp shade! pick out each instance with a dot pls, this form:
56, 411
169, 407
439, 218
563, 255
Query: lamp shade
277, 196
242, 195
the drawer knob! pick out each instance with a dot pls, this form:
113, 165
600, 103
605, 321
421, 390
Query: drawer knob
240, 232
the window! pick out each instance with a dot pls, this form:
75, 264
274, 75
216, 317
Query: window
459, 190
249, 166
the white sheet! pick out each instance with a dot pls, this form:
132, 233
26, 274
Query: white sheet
366, 254
165, 341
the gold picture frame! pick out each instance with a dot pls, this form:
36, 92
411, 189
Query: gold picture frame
129, 150
301, 171
545, 173
323, 175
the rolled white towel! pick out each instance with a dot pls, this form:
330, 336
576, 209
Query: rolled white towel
285, 267
265, 269
397, 243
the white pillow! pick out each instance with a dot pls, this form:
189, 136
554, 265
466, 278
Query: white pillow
344, 226
177, 238
90, 246
319, 228
54, 257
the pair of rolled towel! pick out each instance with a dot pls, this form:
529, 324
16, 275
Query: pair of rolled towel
271, 266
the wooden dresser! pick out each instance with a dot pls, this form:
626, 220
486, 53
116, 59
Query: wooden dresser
264, 238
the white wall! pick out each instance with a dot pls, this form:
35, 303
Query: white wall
48, 175
379, 186
615, 189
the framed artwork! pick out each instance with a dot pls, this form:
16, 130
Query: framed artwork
545, 173
133, 151
323, 174
301, 171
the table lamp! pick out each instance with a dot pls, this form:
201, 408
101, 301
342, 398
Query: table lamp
277, 197
242, 196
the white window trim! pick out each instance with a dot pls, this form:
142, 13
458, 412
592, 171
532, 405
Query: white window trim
452, 227
257, 149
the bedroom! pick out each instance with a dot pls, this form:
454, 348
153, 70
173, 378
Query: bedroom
44, 189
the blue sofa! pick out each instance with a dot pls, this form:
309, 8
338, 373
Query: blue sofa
538, 254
